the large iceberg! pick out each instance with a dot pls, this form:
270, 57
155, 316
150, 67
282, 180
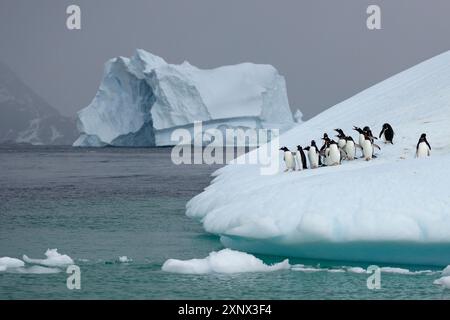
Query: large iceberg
143, 99
393, 209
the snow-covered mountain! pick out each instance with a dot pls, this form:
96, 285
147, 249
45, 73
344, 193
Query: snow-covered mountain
393, 209
141, 99
27, 118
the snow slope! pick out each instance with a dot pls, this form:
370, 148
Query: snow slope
145, 94
393, 209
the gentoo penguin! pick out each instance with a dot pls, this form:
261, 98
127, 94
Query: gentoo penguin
361, 138
324, 150
361, 135
341, 142
301, 159
334, 155
288, 159
368, 147
313, 155
387, 133
423, 148
350, 149
341, 135
367, 130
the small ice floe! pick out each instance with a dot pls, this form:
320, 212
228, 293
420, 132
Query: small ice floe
303, 268
224, 261
10, 263
356, 270
125, 259
37, 270
54, 259
444, 282
446, 271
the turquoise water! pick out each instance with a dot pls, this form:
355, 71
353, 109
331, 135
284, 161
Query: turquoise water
99, 204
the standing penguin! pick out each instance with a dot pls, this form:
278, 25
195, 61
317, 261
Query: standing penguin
387, 133
313, 155
368, 147
334, 155
300, 157
367, 130
288, 159
350, 149
361, 135
341, 142
341, 135
423, 148
324, 150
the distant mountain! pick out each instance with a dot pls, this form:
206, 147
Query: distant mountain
27, 118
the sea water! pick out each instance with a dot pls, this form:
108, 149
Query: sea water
98, 205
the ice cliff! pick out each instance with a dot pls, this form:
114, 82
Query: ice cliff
393, 209
142, 99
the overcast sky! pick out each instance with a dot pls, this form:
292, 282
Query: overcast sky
323, 48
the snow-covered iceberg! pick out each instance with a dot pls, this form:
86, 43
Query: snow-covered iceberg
141, 99
393, 209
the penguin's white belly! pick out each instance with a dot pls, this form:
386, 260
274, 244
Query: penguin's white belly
298, 158
361, 139
350, 150
423, 150
383, 137
313, 158
289, 160
367, 150
334, 156
341, 143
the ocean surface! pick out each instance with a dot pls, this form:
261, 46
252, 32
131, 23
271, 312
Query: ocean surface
97, 205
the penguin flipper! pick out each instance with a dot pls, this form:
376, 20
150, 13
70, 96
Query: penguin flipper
376, 146
358, 146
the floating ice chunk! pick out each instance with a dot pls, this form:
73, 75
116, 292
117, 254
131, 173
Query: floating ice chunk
8, 263
54, 259
125, 259
444, 282
356, 270
446, 271
37, 270
224, 261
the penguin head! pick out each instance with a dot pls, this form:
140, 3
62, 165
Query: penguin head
299, 148
307, 148
386, 126
313, 143
366, 129
359, 130
340, 133
325, 136
284, 149
423, 136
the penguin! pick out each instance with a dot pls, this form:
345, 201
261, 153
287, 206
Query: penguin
350, 148
288, 159
300, 157
368, 147
367, 130
341, 135
324, 150
423, 148
334, 155
341, 142
387, 133
313, 155
361, 137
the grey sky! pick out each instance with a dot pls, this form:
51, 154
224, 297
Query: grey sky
323, 48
